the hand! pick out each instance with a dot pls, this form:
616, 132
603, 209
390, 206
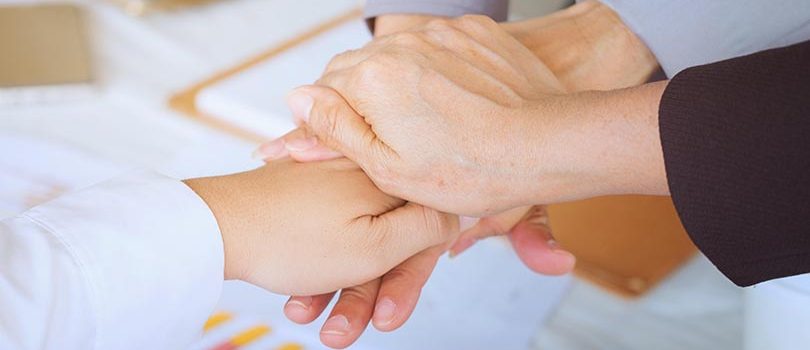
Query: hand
308, 229
587, 46
613, 57
530, 235
395, 294
387, 302
495, 83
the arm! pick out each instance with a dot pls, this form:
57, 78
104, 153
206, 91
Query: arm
735, 141
152, 252
560, 147
115, 266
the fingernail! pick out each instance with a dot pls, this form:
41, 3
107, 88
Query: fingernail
300, 104
300, 302
300, 145
336, 325
269, 150
384, 312
556, 249
461, 246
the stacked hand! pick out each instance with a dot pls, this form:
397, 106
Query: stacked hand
425, 112
270, 242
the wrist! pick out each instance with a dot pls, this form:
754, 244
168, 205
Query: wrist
215, 192
597, 143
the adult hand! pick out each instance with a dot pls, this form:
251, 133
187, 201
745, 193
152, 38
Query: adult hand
614, 58
587, 46
401, 84
309, 229
388, 301
397, 292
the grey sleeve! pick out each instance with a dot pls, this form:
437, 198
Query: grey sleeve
497, 9
687, 33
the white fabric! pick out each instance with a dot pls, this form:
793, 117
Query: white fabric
132, 263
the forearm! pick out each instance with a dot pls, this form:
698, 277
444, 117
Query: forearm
599, 143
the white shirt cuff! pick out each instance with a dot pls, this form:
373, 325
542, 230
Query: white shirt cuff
152, 253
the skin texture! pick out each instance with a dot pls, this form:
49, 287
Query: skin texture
587, 47
272, 242
410, 76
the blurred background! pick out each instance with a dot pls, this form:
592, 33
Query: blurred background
90, 89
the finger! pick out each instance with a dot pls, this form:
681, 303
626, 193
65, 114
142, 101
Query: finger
336, 124
315, 154
270, 151
351, 315
299, 140
401, 287
412, 228
347, 59
305, 309
490, 34
303, 146
535, 246
471, 50
486, 227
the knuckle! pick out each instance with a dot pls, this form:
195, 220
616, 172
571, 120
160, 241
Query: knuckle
408, 40
478, 19
357, 294
371, 72
330, 114
439, 24
405, 275
338, 61
384, 177
437, 224
476, 24
377, 246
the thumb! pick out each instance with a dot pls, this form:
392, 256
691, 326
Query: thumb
489, 226
415, 228
334, 121
534, 244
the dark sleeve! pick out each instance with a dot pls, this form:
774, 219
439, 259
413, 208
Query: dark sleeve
736, 142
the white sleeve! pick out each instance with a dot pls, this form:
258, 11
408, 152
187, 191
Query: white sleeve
133, 263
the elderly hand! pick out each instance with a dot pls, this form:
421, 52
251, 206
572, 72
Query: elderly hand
398, 126
586, 46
